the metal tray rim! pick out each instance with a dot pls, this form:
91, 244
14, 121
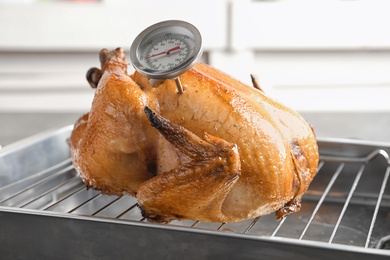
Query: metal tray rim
20, 144
52, 132
279, 240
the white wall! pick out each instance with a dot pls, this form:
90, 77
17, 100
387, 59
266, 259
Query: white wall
315, 55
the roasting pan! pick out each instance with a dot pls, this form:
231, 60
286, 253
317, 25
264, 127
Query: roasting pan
47, 213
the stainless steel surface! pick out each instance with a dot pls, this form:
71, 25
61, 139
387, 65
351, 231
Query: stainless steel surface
45, 206
17, 126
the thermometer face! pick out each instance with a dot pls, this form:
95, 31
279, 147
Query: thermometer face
166, 49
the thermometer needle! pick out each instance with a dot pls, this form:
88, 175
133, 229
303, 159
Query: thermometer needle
164, 52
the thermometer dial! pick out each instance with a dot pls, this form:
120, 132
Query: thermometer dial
166, 50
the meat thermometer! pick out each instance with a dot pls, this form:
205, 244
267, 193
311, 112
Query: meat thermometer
166, 50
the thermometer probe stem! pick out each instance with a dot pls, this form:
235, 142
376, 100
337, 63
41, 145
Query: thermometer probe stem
179, 86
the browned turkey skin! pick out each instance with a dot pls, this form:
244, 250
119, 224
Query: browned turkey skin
220, 151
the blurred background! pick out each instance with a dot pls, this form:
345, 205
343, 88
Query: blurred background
327, 59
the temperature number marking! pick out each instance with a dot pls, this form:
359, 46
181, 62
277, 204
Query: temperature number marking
166, 52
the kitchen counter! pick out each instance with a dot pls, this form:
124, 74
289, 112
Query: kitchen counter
362, 126
17, 126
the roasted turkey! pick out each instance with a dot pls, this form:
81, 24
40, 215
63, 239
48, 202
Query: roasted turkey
221, 151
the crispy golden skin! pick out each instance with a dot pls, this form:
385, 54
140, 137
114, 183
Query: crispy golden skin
221, 151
